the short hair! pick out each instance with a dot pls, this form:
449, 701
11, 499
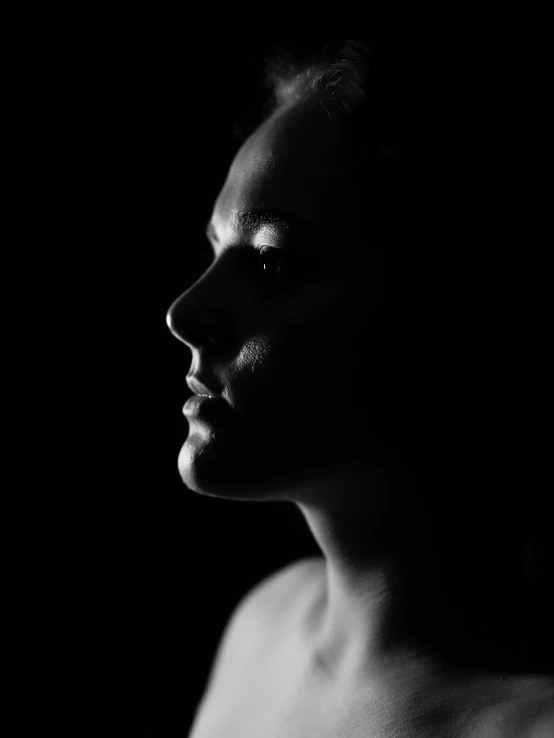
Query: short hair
414, 153
338, 81
350, 82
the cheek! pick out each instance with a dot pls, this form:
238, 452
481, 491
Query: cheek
254, 355
313, 345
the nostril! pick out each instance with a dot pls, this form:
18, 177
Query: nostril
196, 336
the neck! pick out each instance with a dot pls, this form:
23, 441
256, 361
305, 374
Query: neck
403, 588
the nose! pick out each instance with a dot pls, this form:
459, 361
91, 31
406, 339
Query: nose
198, 317
189, 324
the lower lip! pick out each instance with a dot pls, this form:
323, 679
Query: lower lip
203, 407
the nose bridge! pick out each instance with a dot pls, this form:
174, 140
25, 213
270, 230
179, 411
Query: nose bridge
195, 317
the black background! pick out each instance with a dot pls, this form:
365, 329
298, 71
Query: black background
117, 139
117, 142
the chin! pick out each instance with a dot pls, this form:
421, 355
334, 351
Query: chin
209, 466
207, 469
270, 465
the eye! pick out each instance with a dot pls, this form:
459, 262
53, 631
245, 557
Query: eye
271, 260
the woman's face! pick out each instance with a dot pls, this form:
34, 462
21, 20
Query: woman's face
285, 325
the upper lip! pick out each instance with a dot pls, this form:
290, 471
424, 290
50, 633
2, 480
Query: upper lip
199, 388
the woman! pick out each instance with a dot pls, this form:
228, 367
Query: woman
336, 363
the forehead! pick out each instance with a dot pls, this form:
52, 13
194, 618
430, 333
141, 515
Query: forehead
289, 173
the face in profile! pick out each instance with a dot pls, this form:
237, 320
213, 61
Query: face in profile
285, 327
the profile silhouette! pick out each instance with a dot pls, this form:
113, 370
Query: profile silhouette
335, 366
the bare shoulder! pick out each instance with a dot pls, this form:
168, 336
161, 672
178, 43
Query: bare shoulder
275, 594
253, 623
253, 632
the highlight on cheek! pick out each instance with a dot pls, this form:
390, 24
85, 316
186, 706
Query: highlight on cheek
253, 354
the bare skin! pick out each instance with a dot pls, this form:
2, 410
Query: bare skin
405, 626
265, 682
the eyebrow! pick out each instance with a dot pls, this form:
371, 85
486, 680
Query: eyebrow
257, 218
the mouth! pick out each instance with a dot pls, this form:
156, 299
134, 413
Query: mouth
200, 389
205, 408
